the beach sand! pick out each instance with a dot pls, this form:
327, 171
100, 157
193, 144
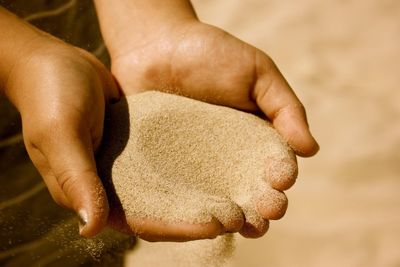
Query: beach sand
342, 59
182, 160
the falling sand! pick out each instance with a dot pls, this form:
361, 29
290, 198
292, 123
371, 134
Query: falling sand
176, 159
200, 253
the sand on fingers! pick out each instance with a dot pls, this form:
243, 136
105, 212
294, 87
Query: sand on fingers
171, 159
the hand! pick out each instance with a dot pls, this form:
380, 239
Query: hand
203, 62
61, 93
161, 45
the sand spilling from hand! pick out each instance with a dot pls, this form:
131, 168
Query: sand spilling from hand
177, 159
200, 253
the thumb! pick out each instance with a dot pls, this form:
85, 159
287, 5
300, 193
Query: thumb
70, 157
280, 104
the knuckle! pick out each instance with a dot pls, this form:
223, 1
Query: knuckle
67, 181
265, 64
43, 130
70, 180
49, 128
289, 109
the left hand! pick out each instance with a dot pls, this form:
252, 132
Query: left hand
203, 62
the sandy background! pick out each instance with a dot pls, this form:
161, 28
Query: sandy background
342, 58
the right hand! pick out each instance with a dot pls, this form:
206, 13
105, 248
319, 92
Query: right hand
61, 93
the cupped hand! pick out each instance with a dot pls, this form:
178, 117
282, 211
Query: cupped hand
61, 93
203, 62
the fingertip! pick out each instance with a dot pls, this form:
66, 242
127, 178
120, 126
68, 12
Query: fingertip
293, 126
89, 200
93, 214
308, 148
251, 231
277, 100
302, 142
90, 225
281, 174
272, 205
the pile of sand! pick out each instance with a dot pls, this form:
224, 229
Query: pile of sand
176, 159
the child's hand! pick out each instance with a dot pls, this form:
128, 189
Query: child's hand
61, 92
206, 63
161, 45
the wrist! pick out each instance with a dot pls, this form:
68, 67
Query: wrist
18, 41
48, 60
138, 22
24, 65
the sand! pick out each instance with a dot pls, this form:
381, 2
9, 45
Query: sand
177, 159
342, 59
200, 253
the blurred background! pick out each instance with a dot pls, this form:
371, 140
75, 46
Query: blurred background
343, 60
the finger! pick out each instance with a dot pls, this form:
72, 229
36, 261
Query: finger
250, 231
156, 230
161, 230
279, 103
112, 91
167, 231
43, 167
70, 155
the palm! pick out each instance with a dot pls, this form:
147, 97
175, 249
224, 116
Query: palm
205, 63
200, 61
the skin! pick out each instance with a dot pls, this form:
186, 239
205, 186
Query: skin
61, 93
167, 48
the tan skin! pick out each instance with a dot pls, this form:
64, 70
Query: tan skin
206, 63
167, 48
62, 109
61, 92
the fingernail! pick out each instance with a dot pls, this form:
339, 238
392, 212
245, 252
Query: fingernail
83, 219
